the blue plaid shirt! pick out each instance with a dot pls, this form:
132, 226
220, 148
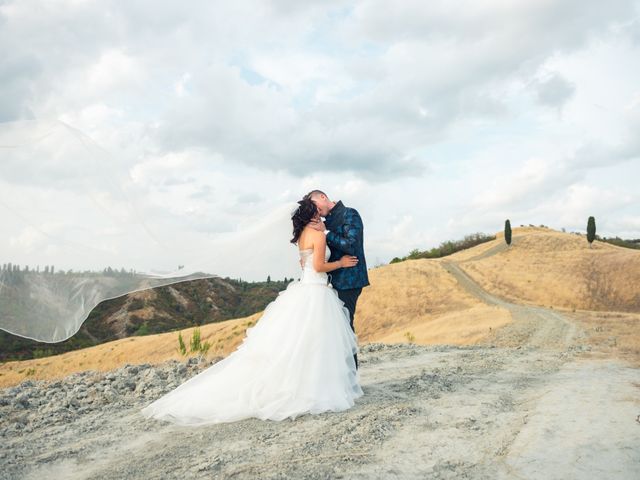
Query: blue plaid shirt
345, 237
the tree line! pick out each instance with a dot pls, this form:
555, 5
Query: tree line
50, 270
447, 248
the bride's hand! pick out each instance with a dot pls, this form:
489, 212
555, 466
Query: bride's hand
348, 261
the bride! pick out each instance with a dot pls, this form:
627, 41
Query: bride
297, 359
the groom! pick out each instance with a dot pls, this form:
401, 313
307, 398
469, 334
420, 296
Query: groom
344, 230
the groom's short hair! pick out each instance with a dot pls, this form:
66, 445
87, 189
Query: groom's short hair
315, 192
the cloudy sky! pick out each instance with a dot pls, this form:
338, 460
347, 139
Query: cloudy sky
144, 134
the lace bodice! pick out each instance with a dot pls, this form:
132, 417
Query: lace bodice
309, 274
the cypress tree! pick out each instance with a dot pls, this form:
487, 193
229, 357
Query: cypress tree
591, 230
507, 232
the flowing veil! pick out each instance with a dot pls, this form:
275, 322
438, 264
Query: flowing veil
77, 229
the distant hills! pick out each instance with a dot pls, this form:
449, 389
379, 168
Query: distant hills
161, 309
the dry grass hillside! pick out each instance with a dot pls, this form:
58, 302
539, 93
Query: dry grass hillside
223, 336
417, 300
556, 269
420, 301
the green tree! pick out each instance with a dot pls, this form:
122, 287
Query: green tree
591, 230
507, 232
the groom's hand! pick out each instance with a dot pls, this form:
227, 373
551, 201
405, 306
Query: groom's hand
317, 225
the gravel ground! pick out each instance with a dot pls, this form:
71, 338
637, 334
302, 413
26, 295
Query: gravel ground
428, 412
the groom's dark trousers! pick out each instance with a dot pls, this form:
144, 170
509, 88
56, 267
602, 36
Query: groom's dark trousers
345, 237
350, 298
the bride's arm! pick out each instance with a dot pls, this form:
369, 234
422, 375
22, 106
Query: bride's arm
319, 249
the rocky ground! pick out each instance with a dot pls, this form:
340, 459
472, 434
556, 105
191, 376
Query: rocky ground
529, 402
427, 412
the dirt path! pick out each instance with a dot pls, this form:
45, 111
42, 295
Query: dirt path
535, 326
501, 247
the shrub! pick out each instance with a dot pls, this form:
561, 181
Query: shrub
182, 348
196, 345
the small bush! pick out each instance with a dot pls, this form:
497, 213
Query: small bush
195, 344
182, 348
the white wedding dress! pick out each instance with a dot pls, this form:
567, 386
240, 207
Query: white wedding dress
297, 359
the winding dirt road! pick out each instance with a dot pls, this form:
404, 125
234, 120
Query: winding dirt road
534, 326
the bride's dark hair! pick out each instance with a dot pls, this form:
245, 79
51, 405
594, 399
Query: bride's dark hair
301, 216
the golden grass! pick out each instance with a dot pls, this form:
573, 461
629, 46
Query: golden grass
463, 327
422, 298
224, 338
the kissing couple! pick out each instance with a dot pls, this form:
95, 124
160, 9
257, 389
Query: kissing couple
301, 355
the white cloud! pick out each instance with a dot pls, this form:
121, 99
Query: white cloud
434, 120
28, 240
553, 91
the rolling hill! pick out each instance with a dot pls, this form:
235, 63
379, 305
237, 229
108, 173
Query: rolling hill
463, 299
555, 269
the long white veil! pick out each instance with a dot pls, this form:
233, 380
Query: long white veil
74, 232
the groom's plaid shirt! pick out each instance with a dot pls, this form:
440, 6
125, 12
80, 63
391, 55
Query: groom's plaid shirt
346, 238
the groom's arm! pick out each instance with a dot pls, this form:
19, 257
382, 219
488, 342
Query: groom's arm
352, 233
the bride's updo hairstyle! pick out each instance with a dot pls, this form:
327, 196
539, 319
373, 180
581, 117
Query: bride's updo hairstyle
301, 216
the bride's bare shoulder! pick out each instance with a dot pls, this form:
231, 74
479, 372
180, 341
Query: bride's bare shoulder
309, 236
312, 231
